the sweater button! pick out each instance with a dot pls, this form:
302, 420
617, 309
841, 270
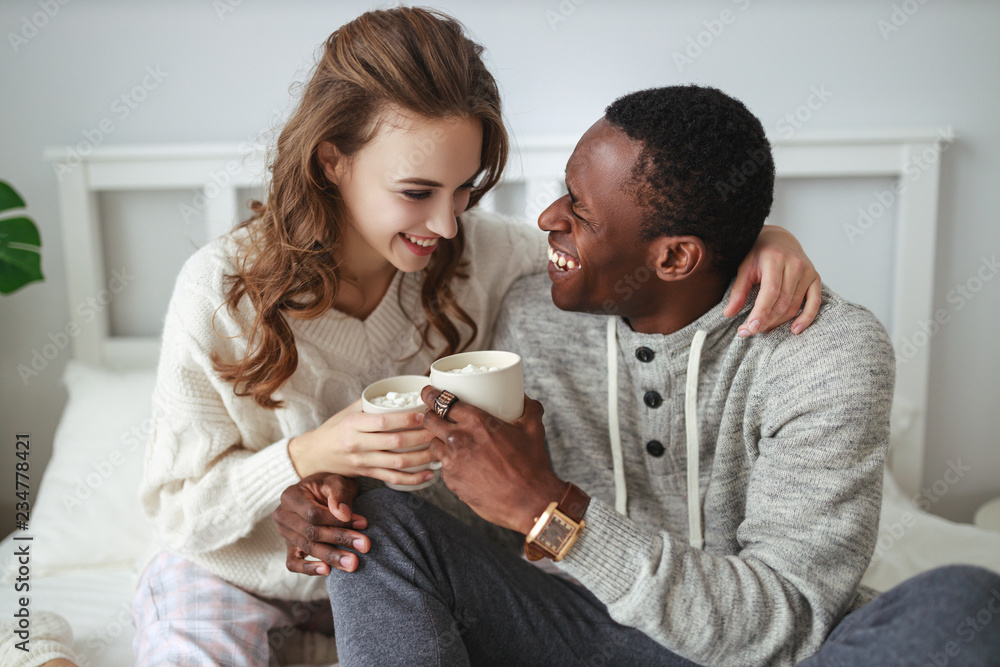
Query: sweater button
644, 354
655, 448
652, 399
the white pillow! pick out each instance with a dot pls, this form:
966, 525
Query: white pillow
86, 513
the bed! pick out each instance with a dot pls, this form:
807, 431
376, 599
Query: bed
88, 536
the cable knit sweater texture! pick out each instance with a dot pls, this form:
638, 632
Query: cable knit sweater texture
217, 463
794, 432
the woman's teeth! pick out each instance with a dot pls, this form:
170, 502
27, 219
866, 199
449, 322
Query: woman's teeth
421, 242
562, 262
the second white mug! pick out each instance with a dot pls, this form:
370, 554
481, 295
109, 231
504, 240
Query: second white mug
499, 392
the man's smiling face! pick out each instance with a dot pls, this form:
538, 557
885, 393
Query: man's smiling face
595, 230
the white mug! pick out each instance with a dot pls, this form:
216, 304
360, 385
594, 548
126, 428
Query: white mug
499, 392
400, 383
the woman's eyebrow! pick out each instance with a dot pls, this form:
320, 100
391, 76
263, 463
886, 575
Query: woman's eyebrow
414, 180
421, 181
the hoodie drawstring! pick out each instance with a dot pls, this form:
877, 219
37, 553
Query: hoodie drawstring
695, 536
621, 493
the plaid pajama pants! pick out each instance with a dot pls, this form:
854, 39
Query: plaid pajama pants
185, 615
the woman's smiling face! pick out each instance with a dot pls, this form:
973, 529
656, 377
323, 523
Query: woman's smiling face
405, 188
595, 229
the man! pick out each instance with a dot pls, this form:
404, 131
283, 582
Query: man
720, 509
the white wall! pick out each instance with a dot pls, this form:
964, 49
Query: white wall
224, 76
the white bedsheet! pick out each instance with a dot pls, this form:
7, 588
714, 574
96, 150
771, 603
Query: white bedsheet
911, 541
96, 604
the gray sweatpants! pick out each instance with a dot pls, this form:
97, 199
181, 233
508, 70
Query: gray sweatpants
431, 593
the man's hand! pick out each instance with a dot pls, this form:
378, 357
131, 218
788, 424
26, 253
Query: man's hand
314, 515
500, 470
786, 278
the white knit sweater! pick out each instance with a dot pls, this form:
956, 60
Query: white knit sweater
217, 463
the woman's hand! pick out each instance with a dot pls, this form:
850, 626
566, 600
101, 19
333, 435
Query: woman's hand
786, 277
314, 515
355, 444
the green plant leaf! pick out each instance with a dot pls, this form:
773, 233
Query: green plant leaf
9, 198
20, 261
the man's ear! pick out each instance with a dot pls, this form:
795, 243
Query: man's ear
331, 160
677, 257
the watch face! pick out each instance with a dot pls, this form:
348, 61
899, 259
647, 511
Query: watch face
555, 534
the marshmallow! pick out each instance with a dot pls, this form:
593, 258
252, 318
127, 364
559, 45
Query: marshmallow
474, 369
398, 399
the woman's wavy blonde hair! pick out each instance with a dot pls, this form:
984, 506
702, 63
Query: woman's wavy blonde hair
413, 58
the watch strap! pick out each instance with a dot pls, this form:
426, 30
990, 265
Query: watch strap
574, 502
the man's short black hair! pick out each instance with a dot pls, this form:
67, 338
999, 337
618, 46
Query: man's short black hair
705, 169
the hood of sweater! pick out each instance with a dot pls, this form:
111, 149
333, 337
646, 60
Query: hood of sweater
673, 347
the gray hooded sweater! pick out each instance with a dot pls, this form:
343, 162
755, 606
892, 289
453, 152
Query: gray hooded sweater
792, 433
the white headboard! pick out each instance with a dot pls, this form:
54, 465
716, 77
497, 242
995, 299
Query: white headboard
534, 178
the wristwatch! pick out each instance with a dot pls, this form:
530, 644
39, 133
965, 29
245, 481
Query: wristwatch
557, 528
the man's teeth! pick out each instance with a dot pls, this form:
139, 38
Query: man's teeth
421, 242
561, 261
